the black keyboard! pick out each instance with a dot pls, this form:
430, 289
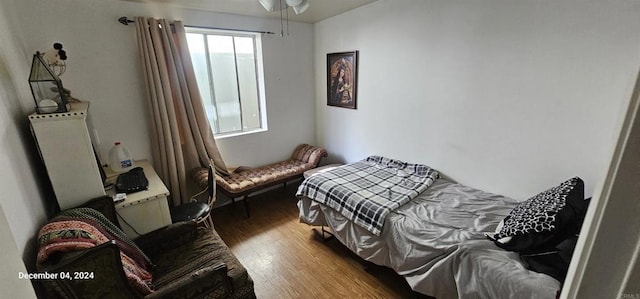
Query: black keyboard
132, 181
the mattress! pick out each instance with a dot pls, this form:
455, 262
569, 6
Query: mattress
436, 243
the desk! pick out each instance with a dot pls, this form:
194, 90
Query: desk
146, 210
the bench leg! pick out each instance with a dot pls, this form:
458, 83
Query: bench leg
246, 204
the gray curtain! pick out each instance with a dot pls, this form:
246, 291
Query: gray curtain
181, 138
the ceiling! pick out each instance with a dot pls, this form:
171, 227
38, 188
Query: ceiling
318, 9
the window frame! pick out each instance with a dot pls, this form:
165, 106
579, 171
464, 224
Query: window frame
259, 73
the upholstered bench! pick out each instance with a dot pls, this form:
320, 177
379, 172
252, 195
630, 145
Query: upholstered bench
243, 181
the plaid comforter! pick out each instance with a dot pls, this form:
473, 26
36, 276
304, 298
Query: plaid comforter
368, 190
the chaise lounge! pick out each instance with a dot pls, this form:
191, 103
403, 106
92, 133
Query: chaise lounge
243, 181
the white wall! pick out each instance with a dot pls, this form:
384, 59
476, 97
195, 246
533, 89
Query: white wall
103, 68
507, 96
10, 283
23, 200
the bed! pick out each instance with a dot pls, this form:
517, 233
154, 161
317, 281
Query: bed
436, 241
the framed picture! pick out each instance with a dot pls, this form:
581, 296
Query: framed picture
342, 79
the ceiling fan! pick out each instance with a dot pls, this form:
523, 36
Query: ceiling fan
299, 6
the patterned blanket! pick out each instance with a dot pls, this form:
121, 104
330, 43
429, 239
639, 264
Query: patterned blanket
367, 191
82, 228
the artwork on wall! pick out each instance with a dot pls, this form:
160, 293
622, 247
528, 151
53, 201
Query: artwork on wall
342, 78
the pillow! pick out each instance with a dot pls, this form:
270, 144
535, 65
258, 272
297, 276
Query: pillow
541, 222
554, 263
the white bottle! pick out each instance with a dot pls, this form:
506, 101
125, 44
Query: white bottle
119, 158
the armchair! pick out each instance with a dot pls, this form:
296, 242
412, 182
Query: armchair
189, 262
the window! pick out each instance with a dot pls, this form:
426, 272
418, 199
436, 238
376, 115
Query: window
228, 67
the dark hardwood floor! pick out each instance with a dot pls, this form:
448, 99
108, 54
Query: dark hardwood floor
289, 259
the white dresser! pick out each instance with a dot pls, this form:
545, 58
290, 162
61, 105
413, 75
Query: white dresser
65, 147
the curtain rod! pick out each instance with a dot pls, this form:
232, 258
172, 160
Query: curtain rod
126, 21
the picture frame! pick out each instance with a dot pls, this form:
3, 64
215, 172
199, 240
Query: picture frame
342, 79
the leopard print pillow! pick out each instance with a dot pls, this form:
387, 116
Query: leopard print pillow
538, 213
543, 220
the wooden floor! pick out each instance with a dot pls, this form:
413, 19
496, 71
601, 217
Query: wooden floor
288, 259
